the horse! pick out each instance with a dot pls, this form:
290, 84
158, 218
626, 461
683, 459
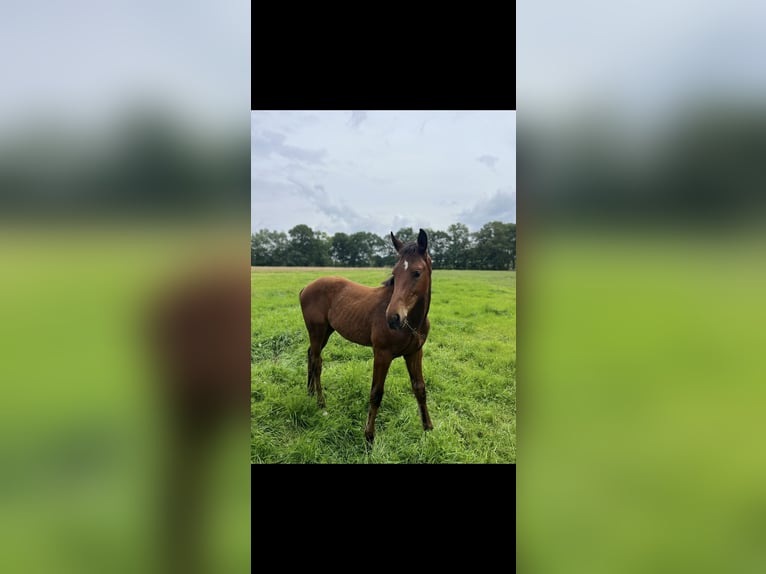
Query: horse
197, 331
391, 318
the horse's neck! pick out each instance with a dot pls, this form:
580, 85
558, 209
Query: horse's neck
421, 309
428, 293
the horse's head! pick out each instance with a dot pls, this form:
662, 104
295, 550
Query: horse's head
412, 282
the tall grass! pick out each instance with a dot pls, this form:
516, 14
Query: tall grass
469, 366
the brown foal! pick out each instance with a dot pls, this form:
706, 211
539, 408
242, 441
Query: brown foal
392, 319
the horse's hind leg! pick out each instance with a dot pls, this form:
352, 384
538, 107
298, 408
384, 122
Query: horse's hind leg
318, 335
310, 373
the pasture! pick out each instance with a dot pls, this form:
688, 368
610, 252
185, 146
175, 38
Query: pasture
469, 366
83, 431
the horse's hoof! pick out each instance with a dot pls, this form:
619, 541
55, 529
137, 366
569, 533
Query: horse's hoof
370, 437
428, 427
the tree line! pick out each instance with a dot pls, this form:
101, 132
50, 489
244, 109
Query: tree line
492, 247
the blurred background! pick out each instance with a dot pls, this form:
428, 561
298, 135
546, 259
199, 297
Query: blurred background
641, 210
124, 218
124, 287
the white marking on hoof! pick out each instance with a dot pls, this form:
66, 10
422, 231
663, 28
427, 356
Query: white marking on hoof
324, 414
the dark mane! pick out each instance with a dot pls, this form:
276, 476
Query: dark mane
388, 282
409, 249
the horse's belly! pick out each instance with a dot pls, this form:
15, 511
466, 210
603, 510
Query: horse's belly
355, 337
352, 327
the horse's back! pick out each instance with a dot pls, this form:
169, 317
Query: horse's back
321, 290
317, 297
343, 304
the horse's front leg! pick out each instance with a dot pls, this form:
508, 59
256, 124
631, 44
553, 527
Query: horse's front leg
382, 362
415, 368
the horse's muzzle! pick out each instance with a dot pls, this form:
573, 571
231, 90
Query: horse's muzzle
394, 322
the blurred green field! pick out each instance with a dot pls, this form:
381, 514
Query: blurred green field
643, 396
81, 427
469, 365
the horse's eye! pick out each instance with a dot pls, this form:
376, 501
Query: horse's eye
416, 274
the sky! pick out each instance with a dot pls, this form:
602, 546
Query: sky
646, 59
380, 171
193, 58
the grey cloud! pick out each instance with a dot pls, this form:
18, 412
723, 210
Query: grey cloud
267, 142
302, 154
260, 186
488, 160
400, 221
357, 118
283, 122
378, 179
499, 207
341, 214
295, 121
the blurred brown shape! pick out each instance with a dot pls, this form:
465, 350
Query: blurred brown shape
203, 342
201, 329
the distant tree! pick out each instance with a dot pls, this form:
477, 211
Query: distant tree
306, 248
406, 234
385, 255
438, 242
492, 247
280, 246
268, 247
513, 245
323, 249
366, 247
458, 246
341, 250
360, 252
254, 249
494, 244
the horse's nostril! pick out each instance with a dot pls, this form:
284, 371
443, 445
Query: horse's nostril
393, 322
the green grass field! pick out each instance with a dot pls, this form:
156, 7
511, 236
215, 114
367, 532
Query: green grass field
82, 428
469, 364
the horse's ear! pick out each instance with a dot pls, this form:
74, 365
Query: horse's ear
397, 244
422, 242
